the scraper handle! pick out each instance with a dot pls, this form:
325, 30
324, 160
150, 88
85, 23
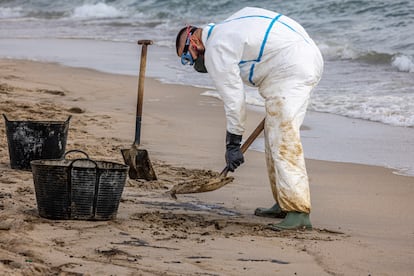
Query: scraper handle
141, 78
247, 143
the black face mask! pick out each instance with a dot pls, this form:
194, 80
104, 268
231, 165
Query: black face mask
199, 65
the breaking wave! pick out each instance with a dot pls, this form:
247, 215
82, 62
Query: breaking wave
99, 10
10, 12
401, 62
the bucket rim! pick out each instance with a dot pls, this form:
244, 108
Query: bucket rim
37, 121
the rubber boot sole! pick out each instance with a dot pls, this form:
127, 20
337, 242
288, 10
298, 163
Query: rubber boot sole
293, 221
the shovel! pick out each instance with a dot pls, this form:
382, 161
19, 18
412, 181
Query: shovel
140, 166
203, 185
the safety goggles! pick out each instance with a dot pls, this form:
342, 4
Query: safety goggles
186, 57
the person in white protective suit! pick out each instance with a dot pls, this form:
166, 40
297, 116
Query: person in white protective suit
272, 52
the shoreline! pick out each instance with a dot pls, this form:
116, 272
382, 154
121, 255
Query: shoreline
354, 207
121, 57
356, 141
314, 125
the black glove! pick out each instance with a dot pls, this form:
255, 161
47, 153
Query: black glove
234, 155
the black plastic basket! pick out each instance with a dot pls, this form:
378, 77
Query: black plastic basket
81, 189
35, 140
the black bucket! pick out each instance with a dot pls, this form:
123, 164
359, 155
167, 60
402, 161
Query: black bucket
35, 140
81, 189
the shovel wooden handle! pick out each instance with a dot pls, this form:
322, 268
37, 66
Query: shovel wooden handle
247, 143
141, 80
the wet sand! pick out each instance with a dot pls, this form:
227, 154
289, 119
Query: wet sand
361, 214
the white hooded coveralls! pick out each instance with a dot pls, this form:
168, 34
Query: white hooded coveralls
270, 51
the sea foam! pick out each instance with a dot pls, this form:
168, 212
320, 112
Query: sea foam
99, 10
403, 63
10, 12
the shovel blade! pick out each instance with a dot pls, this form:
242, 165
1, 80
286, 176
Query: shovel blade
140, 166
200, 185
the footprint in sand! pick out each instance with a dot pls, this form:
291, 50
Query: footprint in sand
52, 92
76, 110
5, 89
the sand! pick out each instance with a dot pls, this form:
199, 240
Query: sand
362, 215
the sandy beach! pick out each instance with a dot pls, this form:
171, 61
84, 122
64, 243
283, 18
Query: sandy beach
362, 215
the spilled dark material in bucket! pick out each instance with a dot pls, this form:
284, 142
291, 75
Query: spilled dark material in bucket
35, 140
81, 189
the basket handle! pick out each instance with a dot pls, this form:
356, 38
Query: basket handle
5, 118
79, 151
78, 159
82, 159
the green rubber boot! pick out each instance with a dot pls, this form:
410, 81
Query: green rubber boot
272, 212
293, 221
